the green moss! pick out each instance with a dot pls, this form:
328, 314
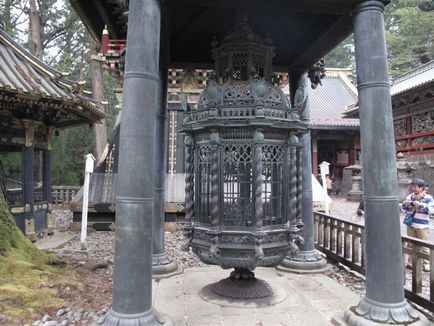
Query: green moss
27, 274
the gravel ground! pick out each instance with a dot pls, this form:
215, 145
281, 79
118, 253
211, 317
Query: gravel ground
98, 258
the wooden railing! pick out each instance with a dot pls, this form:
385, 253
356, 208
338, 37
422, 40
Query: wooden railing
62, 195
343, 241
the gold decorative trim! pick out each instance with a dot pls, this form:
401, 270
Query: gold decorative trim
17, 210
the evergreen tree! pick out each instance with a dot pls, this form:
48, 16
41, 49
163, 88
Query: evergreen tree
410, 36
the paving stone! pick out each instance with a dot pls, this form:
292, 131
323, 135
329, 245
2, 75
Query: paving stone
213, 320
196, 306
239, 319
270, 319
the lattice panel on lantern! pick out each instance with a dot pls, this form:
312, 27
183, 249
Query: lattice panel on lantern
272, 186
258, 61
237, 185
239, 65
238, 135
203, 182
223, 65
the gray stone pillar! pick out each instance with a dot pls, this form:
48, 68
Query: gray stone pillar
384, 301
162, 265
132, 281
307, 260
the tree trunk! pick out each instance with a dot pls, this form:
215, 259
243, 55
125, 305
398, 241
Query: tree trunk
99, 129
35, 42
7, 18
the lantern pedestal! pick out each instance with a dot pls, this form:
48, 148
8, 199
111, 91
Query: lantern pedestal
242, 284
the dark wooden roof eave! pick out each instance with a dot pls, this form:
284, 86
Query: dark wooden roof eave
323, 25
90, 113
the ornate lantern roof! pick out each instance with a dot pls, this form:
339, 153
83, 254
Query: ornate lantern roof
242, 163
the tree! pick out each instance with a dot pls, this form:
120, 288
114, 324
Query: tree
99, 129
35, 42
342, 56
410, 36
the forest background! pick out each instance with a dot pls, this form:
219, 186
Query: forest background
51, 30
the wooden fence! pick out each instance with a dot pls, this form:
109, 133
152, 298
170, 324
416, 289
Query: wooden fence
62, 195
343, 241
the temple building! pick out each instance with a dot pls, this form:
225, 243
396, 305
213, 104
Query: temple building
35, 102
413, 112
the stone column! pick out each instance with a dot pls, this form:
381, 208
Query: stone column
308, 259
162, 265
384, 301
132, 281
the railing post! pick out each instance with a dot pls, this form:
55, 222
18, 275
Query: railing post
340, 239
431, 274
333, 236
347, 242
416, 269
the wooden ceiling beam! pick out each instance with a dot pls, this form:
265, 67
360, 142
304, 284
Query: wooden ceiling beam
333, 7
338, 32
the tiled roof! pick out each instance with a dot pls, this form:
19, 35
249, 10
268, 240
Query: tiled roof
329, 101
411, 80
414, 78
26, 76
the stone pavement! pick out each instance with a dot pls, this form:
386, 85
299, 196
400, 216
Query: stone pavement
56, 240
307, 300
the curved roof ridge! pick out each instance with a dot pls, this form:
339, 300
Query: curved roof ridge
414, 72
21, 72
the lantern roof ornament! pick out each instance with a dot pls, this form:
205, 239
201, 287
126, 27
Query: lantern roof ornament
242, 82
242, 54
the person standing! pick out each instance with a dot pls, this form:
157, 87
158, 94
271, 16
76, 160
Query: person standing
417, 207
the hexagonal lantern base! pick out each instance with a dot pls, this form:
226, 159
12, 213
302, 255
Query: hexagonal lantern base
242, 284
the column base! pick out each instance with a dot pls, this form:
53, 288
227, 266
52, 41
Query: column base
371, 313
163, 267
147, 318
304, 262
